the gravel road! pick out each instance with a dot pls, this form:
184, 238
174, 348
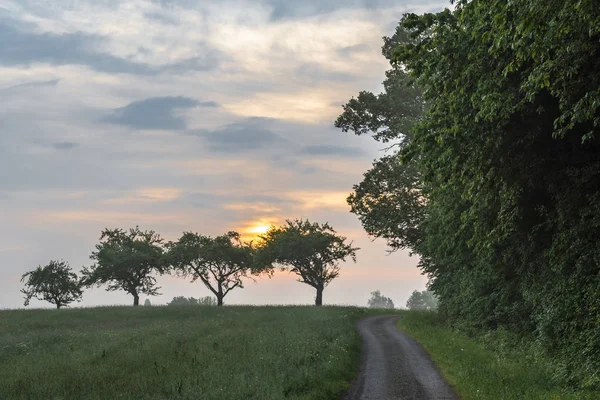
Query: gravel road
395, 366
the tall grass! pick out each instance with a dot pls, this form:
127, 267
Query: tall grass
178, 353
497, 366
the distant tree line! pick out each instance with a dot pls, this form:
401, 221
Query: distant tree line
131, 260
490, 113
191, 301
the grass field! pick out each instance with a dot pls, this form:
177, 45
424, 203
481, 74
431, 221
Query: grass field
495, 368
178, 353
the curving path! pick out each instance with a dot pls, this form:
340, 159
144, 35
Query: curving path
395, 366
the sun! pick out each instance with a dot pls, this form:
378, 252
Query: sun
253, 229
259, 229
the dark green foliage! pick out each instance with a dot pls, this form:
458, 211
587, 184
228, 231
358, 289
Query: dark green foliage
191, 301
378, 300
507, 161
54, 283
126, 261
388, 201
424, 300
312, 251
220, 262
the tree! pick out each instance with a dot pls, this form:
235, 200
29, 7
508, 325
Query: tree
127, 261
508, 160
54, 283
183, 301
389, 200
147, 303
312, 251
191, 301
220, 263
207, 301
377, 300
424, 300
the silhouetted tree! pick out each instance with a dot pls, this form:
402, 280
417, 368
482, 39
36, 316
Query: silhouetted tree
309, 250
54, 283
126, 261
220, 262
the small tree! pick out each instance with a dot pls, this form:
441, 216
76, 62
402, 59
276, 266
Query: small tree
220, 262
54, 283
309, 250
378, 300
424, 300
147, 303
126, 261
207, 301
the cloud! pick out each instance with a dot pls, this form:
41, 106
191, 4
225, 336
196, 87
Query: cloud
332, 150
26, 85
21, 47
316, 73
247, 135
285, 9
155, 113
65, 145
349, 51
161, 17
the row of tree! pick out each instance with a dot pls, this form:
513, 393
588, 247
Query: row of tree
131, 260
491, 116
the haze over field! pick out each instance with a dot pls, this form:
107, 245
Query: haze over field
183, 117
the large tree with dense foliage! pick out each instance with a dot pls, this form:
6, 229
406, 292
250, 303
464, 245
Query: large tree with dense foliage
388, 201
310, 250
127, 260
221, 262
507, 160
55, 283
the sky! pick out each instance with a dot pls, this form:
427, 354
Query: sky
181, 115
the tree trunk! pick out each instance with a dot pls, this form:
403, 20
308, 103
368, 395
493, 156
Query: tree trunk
319, 298
136, 300
58, 305
220, 295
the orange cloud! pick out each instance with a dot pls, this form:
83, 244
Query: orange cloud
311, 200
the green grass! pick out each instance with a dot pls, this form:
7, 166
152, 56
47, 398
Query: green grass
178, 353
495, 367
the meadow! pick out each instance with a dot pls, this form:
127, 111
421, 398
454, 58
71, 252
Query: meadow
185, 352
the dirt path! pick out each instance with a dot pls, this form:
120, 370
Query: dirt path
395, 366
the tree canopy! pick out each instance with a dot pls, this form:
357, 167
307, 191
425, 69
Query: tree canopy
388, 201
507, 168
54, 283
310, 250
127, 260
221, 262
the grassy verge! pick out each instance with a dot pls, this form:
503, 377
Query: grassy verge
178, 353
495, 367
